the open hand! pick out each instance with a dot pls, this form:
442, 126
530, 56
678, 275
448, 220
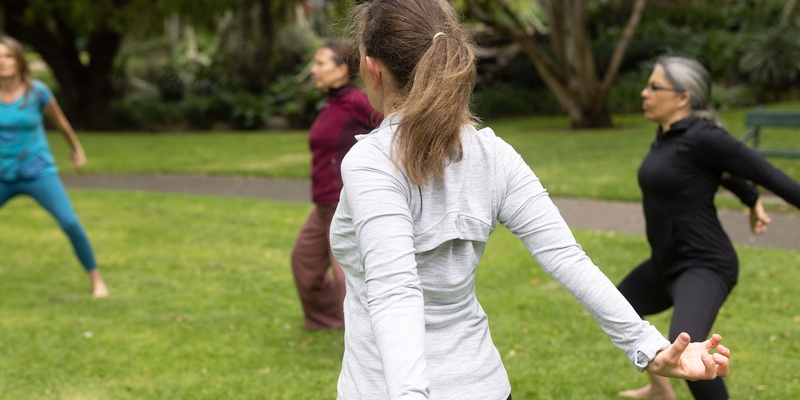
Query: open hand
691, 361
759, 219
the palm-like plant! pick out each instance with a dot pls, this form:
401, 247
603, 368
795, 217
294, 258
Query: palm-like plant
772, 57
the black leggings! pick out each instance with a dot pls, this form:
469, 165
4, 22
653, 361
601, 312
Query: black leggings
696, 296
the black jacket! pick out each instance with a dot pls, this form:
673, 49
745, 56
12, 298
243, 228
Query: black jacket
679, 177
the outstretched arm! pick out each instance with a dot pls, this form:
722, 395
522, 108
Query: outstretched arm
691, 361
56, 116
718, 150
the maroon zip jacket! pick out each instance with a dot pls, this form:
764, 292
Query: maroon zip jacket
346, 114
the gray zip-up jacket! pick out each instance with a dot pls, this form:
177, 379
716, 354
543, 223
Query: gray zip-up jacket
413, 326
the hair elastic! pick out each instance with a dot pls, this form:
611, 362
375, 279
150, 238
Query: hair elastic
437, 35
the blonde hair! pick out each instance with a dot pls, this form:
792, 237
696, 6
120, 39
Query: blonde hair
24, 72
435, 75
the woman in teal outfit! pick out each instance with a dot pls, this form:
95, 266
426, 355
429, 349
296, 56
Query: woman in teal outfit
26, 164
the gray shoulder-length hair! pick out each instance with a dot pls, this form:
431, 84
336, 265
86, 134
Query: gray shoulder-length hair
689, 75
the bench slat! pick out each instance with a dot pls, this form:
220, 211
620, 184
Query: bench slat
760, 118
773, 118
779, 153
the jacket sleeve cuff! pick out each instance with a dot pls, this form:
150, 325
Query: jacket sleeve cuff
648, 348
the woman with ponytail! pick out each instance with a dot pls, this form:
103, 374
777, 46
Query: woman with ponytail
422, 193
693, 266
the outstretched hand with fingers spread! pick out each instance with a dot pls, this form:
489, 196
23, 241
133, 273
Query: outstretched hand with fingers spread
691, 361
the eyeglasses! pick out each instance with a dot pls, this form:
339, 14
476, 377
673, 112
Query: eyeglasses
655, 88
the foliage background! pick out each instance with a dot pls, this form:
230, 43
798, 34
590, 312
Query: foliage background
243, 65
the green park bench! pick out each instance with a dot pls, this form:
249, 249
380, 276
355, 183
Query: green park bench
759, 118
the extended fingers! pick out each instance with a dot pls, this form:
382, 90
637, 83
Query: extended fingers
682, 342
710, 366
713, 341
723, 351
721, 358
722, 364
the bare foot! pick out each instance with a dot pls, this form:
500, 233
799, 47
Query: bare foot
100, 290
649, 392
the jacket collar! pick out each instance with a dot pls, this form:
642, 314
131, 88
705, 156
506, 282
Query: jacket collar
678, 127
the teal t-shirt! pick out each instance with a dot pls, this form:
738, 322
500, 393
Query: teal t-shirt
24, 151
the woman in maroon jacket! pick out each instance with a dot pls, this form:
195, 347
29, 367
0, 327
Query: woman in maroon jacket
346, 114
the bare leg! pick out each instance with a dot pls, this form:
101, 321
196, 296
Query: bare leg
659, 388
99, 288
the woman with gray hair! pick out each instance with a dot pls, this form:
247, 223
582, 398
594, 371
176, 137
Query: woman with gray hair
693, 265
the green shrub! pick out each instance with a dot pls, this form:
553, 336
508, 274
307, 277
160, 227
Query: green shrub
248, 111
740, 96
503, 100
293, 99
721, 50
170, 84
196, 110
146, 114
208, 80
625, 95
239, 109
771, 58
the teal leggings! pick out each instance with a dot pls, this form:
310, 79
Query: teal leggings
49, 193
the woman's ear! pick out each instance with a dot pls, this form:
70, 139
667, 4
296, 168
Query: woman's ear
685, 99
344, 69
375, 71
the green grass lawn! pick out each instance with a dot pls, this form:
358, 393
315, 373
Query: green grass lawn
282, 154
203, 306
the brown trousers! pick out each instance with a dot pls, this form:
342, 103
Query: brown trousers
319, 279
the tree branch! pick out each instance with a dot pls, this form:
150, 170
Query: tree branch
551, 75
788, 11
622, 46
557, 42
511, 15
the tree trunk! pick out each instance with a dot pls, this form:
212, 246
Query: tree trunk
590, 116
86, 89
570, 72
268, 35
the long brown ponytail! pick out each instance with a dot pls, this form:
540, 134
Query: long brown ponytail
432, 61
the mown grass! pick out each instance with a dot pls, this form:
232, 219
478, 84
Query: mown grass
203, 306
282, 154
